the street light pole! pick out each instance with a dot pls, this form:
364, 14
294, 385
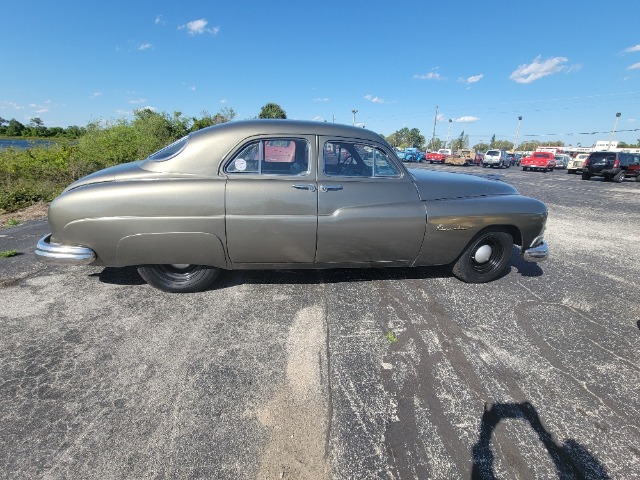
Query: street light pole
448, 132
354, 116
435, 119
515, 142
614, 129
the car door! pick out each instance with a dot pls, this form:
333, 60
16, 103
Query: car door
369, 210
271, 201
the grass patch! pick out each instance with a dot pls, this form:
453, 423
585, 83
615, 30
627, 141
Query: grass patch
8, 253
13, 222
391, 336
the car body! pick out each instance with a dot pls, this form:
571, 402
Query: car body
461, 157
240, 196
575, 164
562, 160
412, 154
478, 159
543, 161
496, 158
612, 166
514, 160
435, 157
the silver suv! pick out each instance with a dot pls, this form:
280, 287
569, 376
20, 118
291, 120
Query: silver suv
496, 158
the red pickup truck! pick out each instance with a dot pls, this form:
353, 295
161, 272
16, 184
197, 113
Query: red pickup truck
435, 157
544, 161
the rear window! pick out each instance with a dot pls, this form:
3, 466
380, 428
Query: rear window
493, 153
169, 151
595, 156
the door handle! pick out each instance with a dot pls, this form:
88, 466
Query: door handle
305, 186
326, 188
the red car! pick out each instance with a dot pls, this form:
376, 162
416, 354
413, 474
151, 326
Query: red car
435, 157
544, 161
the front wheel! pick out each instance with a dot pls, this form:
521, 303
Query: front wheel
485, 258
182, 278
586, 176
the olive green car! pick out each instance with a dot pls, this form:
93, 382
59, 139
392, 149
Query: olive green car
274, 194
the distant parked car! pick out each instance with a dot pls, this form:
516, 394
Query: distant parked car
478, 159
575, 164
562, 160
544, 161
435, 157
280, 194
514, 160
496, 158
612, 166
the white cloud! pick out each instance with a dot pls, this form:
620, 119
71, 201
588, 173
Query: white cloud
145, 46
321, 99
373, 99
635, 66
198, 27
635, 48
539, 68
95, 95
159, 21
223, 101
466, 119
137, 101
475, 78
429, 76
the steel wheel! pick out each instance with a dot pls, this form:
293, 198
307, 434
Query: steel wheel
485, 258
179, 278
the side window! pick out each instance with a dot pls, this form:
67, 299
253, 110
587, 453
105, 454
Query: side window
352, 159
281, 156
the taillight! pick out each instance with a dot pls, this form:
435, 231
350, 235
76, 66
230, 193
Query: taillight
616, 164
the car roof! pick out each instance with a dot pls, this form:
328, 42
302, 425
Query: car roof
216, 142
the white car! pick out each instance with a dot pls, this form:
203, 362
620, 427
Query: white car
562, 160
575, 164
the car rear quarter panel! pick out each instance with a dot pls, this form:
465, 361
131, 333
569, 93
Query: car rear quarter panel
140, 222
453, 223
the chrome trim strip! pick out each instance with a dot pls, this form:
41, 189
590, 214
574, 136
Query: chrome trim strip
57, 254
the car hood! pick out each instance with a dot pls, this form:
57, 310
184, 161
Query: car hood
123, 172
443, 185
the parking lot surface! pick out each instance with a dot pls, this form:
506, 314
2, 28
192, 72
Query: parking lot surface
337, 374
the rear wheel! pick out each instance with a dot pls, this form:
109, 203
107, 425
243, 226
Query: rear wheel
179, 278
619, 176
485, 258
586, 176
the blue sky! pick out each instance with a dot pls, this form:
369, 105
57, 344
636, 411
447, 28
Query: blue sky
565, 66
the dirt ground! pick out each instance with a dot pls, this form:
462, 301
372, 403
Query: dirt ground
34, 212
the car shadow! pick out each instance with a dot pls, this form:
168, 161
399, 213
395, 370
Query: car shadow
232, 278
570, 459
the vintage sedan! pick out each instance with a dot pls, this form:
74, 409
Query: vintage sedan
275, 194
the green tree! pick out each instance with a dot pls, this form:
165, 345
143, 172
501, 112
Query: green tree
481, 147
272, 110
461, 142
406, 138
15, 128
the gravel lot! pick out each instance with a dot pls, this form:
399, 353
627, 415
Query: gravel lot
343, 374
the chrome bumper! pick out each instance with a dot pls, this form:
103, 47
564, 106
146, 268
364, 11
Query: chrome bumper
57, 254
538, 253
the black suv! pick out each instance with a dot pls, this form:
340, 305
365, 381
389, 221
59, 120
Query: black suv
612, 166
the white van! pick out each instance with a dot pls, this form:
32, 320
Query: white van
496, 158
446, 151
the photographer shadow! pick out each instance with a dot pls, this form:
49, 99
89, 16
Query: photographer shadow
571, 459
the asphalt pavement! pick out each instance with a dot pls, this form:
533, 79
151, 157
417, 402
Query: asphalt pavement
337, 374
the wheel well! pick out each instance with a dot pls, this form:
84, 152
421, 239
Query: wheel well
510, 229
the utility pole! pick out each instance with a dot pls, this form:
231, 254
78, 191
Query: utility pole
354, 111
435, 119
614, 129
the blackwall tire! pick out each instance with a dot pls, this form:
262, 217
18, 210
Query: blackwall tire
179, 278
485, 258
619, 176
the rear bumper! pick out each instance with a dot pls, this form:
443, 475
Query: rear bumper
58, 254
538, 252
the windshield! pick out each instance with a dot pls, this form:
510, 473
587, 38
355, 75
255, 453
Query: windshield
169, 151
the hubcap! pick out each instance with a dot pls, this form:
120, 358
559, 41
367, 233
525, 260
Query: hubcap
483, 254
